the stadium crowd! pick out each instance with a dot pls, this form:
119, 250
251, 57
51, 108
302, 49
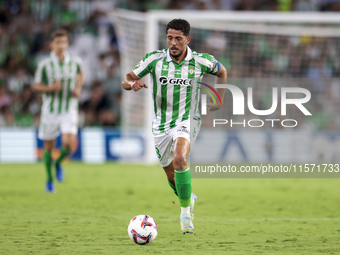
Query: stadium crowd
237, 5
25, 27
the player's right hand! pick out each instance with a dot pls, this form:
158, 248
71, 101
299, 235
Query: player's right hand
138, 85
56, 86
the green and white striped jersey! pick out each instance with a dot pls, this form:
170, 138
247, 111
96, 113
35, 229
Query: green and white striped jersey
50, 70
175, 87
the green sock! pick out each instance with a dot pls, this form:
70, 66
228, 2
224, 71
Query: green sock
48, 165
63, 153
173, 187
183, 186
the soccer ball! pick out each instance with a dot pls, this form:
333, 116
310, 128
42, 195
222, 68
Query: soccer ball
142, 229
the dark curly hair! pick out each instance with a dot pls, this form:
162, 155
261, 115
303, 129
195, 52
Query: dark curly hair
179, 24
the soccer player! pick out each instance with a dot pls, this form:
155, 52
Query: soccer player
60, 78
175, 73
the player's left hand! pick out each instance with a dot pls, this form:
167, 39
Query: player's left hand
76, 92
212, 107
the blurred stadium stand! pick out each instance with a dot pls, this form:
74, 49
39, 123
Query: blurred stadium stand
25, 27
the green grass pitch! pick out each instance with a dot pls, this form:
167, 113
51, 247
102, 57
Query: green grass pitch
90, 212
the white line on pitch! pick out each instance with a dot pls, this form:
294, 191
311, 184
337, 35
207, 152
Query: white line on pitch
196, 219
264, 219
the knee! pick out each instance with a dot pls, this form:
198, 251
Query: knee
180, 161
48, 149
67, 146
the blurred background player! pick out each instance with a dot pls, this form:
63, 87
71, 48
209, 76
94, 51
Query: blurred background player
176, 72
60, 77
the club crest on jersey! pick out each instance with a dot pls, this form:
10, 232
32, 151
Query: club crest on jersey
191, 70
176, 81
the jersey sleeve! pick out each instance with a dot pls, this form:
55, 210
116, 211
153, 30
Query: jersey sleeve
145, 66
212, 65
40, 75
79, 63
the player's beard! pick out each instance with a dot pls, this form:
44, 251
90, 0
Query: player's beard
177, 55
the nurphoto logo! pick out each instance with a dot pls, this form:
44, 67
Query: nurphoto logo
239, 105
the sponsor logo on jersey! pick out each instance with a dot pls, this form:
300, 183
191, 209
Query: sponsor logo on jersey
176, 81
61, 77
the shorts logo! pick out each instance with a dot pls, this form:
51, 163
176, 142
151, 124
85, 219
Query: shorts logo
158, 154
183, 129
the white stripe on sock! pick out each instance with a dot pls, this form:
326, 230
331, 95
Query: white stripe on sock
182, 171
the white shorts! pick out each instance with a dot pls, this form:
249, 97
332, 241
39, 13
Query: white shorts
164, 142
51, 125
